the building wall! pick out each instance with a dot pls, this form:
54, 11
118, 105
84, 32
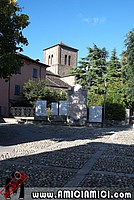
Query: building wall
64, 70
51, 59
54, 69
68, 52
69, 79
51, 56
68, 60
19, 80
26, 74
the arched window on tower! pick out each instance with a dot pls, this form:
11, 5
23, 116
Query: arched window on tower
51, 59
69, 60
65, 59
48, 59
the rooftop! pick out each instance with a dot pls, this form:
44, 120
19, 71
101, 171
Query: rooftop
62, 45
32, 60
53, 80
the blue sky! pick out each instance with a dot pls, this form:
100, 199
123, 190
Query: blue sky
78, 23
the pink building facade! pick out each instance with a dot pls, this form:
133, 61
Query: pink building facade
11, 90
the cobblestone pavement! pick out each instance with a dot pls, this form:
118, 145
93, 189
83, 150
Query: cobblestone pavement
70, 157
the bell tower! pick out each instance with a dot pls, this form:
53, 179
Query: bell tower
61, 58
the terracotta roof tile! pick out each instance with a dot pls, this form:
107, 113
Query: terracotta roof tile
55, 81
32, 60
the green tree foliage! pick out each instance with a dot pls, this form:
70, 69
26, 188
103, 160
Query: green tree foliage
37, 90
129, 43
90, 73
115, 81
12, 23
114, 67
124, 64
92, 68
115, 96
97, 64
129, 54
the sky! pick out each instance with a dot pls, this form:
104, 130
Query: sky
77, 23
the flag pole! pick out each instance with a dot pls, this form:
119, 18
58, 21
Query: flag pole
104, 113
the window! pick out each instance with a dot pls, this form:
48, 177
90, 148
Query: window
34, 73
17, 89
48, 59
69, 60
51, 59
18, 71
65, 59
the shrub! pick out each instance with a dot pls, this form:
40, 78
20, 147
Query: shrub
115, 111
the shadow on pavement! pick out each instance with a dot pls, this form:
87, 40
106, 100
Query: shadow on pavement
114, 169
2, 119
18, 134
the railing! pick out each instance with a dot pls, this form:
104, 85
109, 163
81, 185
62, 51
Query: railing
22, 111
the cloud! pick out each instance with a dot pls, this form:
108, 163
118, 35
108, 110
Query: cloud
86, 20
93, 20
98, 20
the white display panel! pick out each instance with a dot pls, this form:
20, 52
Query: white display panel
63, 107
54, 108
95, 114
40, 108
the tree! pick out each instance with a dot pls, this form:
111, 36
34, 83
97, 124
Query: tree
129, 53
129, 43
114, 67
90, 74
97, 63
12, 23
115, 96
37, 90
82, 74
115, 80
92, 68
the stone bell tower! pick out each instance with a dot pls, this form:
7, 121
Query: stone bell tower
61, 58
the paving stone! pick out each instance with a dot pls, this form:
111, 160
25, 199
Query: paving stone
115, 164
121, 150
60, 159
63, 152
102, 181
38, 176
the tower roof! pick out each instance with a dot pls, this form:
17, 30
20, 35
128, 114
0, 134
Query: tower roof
62, 45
